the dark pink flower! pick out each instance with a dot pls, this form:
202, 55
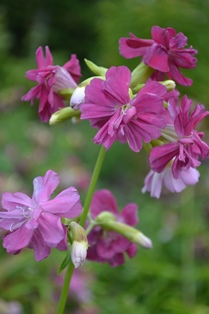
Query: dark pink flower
36, 222
110, 246
185, 145
51, 79
109, 107
165, 53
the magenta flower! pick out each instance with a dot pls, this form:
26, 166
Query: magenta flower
165, 53
109, 107
154, 181
185, 145
51, 79
109, 246
36, 222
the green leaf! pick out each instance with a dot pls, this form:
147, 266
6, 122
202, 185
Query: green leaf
66, 260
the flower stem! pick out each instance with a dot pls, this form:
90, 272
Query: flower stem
65, 288
92, 185
70, 269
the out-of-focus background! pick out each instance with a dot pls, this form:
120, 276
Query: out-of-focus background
173, 277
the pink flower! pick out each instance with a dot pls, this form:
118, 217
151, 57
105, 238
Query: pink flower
185, 145
51, 79
109, 246
109, 107
36, 222
154, 181
165, 53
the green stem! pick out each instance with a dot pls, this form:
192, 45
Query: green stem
92, 186
65, 288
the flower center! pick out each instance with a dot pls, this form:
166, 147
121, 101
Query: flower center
24, 216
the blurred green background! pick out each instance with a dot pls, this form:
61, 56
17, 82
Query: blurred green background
173, 277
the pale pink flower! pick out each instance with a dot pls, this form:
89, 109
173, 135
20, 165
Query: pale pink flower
51, 79
36, 222
185, 145
109, 107
154, 181
110, 246
165, 53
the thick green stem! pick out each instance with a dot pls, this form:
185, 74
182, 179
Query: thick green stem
65, 288
92, 186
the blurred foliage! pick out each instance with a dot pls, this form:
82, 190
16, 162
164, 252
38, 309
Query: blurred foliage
173, 278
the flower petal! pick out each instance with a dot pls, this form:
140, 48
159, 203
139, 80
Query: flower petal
103, 200
51, 229
14, 201
66, 204
17, 240
45, 186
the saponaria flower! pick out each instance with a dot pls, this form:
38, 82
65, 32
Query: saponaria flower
165, 53
51, 79
183, 143
36, 222
110, 108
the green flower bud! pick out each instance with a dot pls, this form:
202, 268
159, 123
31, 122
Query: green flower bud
63, 115
79, 244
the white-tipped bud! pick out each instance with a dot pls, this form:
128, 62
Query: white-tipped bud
107, 221
79, 245
142, 240
78, 253
77, 97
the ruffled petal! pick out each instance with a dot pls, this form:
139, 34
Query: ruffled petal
51, 229
129, 214
17, 240
66, 204
45, 186
41, 249
103, 200
16, 201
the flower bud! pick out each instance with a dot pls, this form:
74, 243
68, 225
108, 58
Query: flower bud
169, 84
63, 115
79, 244
140, 75
108, 221
64, 83
97, 70
77, 97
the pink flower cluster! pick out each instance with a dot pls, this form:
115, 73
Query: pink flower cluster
136, 108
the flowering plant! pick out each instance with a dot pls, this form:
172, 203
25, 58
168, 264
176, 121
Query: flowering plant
139, 108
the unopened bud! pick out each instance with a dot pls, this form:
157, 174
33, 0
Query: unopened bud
140, 75
79, 245
169, 84
64, 83
63, 115
77, 97
108, 221
97, 70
